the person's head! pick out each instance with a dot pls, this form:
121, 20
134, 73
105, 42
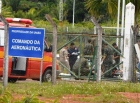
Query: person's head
93, 41
45, 38
66, 46
72, 45
114, 45
105, 45
89, 40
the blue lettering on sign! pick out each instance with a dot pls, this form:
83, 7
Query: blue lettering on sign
26, 42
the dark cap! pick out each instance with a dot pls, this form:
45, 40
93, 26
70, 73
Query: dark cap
89, 40
71, 44
114, 44
104, 43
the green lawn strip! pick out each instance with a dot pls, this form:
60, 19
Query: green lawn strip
107, 91
111, 98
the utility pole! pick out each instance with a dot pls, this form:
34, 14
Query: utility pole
118, 20
122, 30
5, 61
0, 6
61, 10
73, 13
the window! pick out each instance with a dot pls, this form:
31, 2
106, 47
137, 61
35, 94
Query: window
1, 37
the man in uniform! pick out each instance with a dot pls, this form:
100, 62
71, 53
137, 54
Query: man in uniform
73, 54
63, 57
116, 54
88, 49
116, 57
82, 64
107, 60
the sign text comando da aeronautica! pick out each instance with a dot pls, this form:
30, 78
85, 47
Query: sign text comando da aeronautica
29, 45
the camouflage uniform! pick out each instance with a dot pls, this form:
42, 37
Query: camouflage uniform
81, 64
88, 49
108, 61
117, 60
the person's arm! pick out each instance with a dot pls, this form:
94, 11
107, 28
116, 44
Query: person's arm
75, 52
104, 54
103, 58
66, 55
92, 48
86, 65
78, 51
46, 44
118, 55
69, 52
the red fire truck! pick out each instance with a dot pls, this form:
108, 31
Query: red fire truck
25, 68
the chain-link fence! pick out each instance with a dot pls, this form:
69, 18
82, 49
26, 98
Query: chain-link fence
81, 39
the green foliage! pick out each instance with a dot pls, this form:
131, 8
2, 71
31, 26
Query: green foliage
20, 13
26, 5
30, 99
13, 4
48, 9
6, 98
102, 9
32, 14
7, 12
40, 23
110, 98
3, 2
80, 11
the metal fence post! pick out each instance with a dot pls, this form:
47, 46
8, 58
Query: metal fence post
6, 59
54, 47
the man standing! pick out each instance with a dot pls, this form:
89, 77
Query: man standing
73, 54
64, 59
88, 49
47, 48
107, 60
116, 54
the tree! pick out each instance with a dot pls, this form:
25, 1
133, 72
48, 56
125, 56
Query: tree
80, 10
14, 4
7, 12
27, 5
101, 8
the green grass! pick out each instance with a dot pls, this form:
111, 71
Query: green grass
107, 91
